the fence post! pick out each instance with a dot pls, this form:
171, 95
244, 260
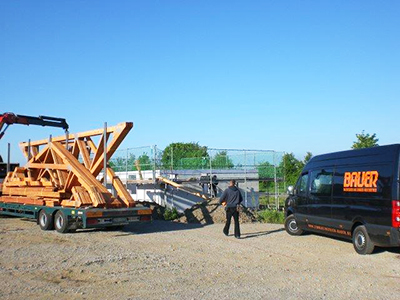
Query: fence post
211, 187
245, 177
126, 168
105, 154
172, 158
154, 163
275, 183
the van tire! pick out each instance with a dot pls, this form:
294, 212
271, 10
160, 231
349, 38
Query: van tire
45, 220
361, 241
291, 226
61, 222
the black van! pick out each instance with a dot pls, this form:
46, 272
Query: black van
352, 194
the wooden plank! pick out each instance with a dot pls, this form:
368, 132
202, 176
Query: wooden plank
33, 192
81, 196
97, 197
22, 200
68, 203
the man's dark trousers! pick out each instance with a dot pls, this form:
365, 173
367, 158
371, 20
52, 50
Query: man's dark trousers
232, 212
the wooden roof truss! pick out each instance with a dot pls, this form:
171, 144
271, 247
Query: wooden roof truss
64, 170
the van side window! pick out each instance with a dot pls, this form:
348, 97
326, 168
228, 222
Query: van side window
321, 182
301, 187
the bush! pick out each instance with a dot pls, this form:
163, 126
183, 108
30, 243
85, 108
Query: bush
171, 214
271, 216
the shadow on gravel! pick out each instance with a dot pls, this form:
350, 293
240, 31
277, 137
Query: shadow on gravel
377, 250
391, 250
260, 233
156, 226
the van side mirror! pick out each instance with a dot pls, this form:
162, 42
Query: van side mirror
290, 190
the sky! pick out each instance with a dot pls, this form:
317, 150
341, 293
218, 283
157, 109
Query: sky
291, 76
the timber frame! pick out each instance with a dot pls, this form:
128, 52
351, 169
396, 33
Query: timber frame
63, 171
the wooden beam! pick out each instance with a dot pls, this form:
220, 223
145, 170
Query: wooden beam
91, 144
112, 146
85, 178
99, 151
47, 166
84, 153
60, 175
120, 188
89, 133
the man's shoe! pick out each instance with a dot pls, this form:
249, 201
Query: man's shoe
226, 234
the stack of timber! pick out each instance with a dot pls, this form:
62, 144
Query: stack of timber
62, 171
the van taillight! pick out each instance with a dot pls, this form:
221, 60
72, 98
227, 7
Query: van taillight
396, 213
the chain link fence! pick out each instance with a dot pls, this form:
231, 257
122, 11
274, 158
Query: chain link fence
259, 173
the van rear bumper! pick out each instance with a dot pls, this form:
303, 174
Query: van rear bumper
384, 236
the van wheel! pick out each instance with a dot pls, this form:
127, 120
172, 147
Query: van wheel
361, 241
61, 222
45, 220
291, 226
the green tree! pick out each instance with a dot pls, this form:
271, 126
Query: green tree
145, 162
185, 156
266, 174
222, 161
291, 167
307, 158
365, 140
121, 163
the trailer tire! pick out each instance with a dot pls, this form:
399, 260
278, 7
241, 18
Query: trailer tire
361, 241
61, 222
45, 220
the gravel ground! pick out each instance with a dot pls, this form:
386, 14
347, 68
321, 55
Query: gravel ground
166, 260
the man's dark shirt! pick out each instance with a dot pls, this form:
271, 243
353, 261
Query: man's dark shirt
231, 196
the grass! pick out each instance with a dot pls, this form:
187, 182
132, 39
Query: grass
171, 214
269, 200
271, 216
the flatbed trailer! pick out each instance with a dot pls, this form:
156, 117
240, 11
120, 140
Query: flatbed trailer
66, 219
61, 186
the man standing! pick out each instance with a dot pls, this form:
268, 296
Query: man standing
231, 199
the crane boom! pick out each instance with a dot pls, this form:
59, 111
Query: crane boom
8, 119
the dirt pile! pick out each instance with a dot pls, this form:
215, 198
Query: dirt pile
210, 212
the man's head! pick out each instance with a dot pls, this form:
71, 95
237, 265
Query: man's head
232, 182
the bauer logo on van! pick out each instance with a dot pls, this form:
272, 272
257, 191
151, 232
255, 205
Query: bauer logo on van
360, 181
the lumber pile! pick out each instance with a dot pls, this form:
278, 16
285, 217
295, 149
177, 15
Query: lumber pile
63, 171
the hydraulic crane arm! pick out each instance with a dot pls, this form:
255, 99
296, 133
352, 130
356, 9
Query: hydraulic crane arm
8, 119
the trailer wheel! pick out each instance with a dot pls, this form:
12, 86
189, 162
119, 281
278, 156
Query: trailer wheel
61, 222
291, 226
45, 220
361, 241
